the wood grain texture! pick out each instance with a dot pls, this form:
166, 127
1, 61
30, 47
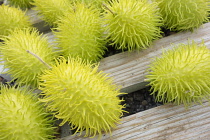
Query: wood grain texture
129, 68
166, 122
36, 20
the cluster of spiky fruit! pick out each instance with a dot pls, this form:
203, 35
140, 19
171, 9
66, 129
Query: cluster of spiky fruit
181, 75
72, 88
23, 116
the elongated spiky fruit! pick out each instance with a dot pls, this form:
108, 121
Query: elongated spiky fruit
93, 3
181, 15
132, 24
181, 75
21, 3
23, 117
11, 18
80, 34
16, 55
78, 94
51, 10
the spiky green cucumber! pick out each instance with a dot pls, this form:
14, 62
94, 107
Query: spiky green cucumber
21, 3
52, 10
181, 75
11, 18
79, 34
93, 3
23, 117
132, 24
179, 15
78, 94
17, 55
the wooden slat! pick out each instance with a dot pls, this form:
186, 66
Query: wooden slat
129, 68
36, 21
164, 122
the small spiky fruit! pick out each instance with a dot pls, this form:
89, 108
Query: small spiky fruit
80, 34
21, 3
23, 116
51, 10
21, 64
181, 75
11, 18
96, 3
179, 15
78, 94
132, 24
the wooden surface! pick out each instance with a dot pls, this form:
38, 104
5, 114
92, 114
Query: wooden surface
166, 122
129, 68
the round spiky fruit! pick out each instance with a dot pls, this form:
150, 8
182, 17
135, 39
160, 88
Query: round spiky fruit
21, 3
132, 24
80, 34
51, 10
181, 75
78, 94
23, 117
181, 15
11, 18
19, 54
96, 3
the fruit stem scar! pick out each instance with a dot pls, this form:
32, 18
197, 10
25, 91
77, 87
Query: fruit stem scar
108, 9
39, 59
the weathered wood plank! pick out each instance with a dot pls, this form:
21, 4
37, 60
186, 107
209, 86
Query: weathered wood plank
129, 68
164, 122
36, 21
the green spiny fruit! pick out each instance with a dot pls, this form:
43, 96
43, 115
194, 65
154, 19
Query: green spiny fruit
51, 10
23, 117
132, 24
21, 3
11, 18
181, 15
96, 3
78, 94
17, 55
80, 34
181, 75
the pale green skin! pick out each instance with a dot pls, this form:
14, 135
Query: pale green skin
132, 24
77, 93
21, 3
12, 18
52, 10
23, 117
79, 34
179, 15
22, 65
181, 75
